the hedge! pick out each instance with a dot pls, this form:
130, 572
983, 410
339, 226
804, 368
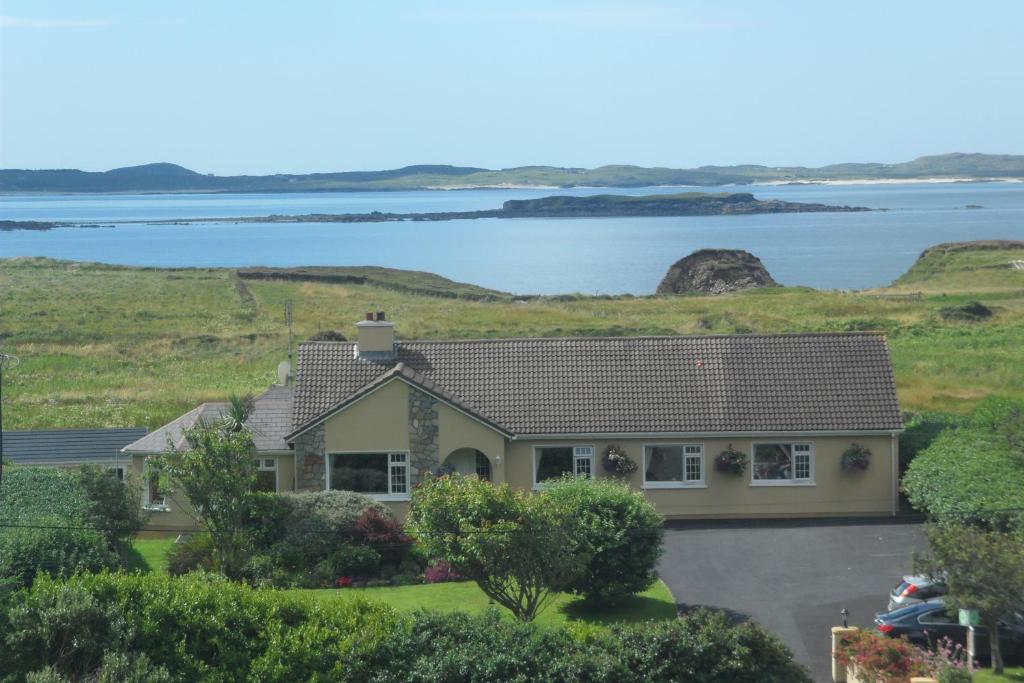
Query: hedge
200, 628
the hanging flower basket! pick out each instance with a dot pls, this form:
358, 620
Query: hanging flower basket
856, 458
731, 461
617, 463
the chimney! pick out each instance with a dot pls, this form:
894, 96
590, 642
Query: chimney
376, 337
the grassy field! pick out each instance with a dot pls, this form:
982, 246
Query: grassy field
105, 346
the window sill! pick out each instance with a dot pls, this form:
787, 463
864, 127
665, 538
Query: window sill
390, 497
757, 484
657, 487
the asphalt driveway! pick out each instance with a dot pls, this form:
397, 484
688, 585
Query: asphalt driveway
792, 577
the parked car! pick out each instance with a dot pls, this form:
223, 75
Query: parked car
914, 589
925, 623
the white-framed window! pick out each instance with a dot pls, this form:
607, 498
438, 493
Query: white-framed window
553, 462
383, 475
782, 463
482, 466
266, 474
673, 465
152, 497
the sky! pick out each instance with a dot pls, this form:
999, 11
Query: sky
319, 85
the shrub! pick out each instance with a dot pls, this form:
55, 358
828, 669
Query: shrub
327, 335
113, 505
620, 531
194, 553
384, 533
357, 561
30, 493
975, 473
116, 667
512, 544
317, 523
921, 430
203, 628
702, 646
880, 659
441, 572
52, 549
972, 311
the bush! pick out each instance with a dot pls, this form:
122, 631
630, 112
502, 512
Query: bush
317, 523
311, 539
353, 561
52, 549
621, 532
702, 646
975, 473
113, 505
514, 545
441, 572
30, 493
194, 553
115, 668
203, 628
881, 659
921, 430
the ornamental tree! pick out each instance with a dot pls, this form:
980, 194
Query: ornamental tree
983, 570
512, 544
217, 474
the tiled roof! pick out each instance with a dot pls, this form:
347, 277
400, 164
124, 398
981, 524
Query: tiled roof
269, 420
743, 383
68, 445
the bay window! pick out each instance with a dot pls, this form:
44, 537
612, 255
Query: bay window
782, 463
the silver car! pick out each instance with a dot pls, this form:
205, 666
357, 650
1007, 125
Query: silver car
914, 589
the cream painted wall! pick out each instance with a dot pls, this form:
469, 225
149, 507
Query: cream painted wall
834, 491
379, 422
285, 472
457, 430
179, 518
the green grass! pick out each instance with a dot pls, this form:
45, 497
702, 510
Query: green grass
109, 346
1012, 673
150, 555
656, 603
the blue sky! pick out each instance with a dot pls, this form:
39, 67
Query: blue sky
308, 85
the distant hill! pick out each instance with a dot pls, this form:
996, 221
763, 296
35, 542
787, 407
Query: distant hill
165, 177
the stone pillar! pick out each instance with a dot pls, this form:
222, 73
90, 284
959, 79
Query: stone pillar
310, 461
839, 672
423, 432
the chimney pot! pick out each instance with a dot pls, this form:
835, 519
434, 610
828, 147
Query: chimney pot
369, 316
380, 316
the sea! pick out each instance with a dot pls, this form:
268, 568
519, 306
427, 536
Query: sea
527, 255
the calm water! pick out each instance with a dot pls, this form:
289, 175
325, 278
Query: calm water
605, 255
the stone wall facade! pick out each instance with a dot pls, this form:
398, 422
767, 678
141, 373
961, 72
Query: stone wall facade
424, 454
310, 461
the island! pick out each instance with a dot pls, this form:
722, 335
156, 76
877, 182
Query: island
169, 178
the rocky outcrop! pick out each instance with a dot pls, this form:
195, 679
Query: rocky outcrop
715, 271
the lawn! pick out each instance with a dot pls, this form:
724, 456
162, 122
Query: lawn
150, 554
1012, 673
655, 603
148, 344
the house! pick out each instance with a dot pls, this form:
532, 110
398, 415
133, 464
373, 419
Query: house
378, 414
270, 419
71, 447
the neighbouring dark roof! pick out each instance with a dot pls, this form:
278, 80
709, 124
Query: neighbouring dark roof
270, 419
68, 445
742, 383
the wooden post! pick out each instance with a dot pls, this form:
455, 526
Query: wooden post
839, 672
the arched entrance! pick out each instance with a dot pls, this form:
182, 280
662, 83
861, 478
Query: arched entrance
468, 461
